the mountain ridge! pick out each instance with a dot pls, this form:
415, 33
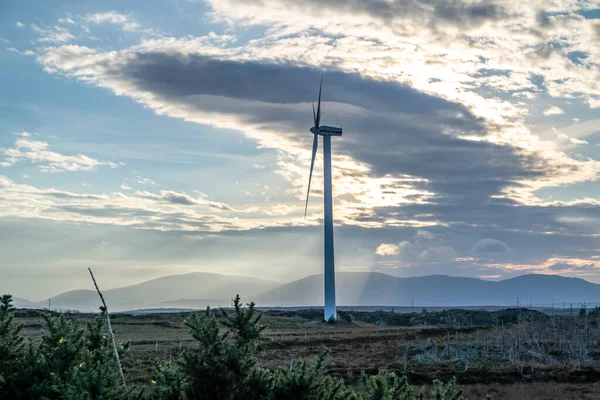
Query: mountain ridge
198, 289
164, 289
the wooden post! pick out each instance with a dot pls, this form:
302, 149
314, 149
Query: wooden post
112, 335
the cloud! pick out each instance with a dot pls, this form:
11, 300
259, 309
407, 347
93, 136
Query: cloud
145, 181
436, 137
183, 199
66, 20
163, 211
425, 235
111, 17
36, 152
125, 187
403, 39
438, 254
19, 24
385, 249
563, 267
554, 110
490, 246
407, 152
55, 34
126, 22
593, 102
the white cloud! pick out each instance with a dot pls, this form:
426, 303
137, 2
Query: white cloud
66, 20
164, 211
571, 140
453, 75
525, 95
437, 39
438, 254
19, 24
425, 235
125, 187
26, 149
578, 141
113, 17
554, 110
458, 71
55, 34
390, 249
385, 249
145, 181
593, 102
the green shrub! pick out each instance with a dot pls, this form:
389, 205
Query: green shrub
387, 386
75, 362
12, 352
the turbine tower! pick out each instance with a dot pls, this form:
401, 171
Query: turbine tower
329, 272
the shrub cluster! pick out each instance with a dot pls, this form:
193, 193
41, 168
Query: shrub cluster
73, 362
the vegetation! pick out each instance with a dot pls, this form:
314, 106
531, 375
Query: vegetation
454, 317
76, 362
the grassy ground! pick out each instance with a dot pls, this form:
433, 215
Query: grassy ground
463, 344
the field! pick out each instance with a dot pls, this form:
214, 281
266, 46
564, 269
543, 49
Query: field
502, 354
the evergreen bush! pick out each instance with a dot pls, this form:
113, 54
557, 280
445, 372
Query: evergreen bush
75, 362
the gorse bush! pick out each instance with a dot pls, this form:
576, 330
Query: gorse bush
71, 362
12, 350
75, 362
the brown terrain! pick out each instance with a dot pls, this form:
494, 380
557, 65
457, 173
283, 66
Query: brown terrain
506, 354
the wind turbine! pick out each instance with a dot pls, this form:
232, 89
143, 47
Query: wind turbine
329, 272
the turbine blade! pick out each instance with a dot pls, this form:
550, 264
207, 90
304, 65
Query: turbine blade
319, 106
314, 116
312, 164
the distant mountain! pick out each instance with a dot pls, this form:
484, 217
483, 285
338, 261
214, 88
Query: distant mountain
372, 288
22, 303
197, 285
197, 290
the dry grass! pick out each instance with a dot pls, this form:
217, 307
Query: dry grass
355, 347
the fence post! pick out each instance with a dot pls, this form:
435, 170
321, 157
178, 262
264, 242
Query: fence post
110, 330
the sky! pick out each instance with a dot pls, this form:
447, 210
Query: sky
144, 139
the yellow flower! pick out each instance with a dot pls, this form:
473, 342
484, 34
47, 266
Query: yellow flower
153, 382
81, 365
61, 340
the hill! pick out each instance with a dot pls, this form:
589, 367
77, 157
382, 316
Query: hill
197, 290
372, 288
197, 285
22, 303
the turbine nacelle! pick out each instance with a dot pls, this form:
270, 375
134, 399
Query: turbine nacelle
325, 130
